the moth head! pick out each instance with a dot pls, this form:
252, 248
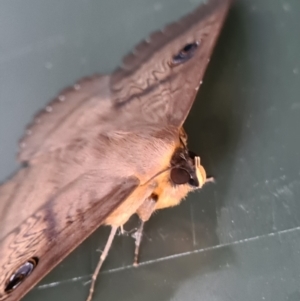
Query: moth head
187, 169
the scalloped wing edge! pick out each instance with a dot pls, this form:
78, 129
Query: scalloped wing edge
56, 111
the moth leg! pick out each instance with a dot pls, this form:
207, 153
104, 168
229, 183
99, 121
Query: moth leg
123, 232
144, 212
101, 260
138, 238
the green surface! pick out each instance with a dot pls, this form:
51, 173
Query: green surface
236, 240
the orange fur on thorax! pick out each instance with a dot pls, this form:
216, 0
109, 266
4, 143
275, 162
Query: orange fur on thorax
160, 148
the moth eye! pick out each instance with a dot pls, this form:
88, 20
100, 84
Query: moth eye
185, 54
179, 176
20, 274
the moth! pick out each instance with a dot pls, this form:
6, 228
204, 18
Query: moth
109, 147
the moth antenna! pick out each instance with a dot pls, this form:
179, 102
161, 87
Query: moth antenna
156, 175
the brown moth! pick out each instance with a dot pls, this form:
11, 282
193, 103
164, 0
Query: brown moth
105, 149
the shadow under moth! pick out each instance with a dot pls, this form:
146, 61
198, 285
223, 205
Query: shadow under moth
109, 147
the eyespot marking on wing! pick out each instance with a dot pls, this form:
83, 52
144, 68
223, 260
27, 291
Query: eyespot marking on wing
20, 274
185, 54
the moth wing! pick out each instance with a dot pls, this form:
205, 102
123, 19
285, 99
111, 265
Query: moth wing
75, 109
29, 232
147, 89
158, 81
